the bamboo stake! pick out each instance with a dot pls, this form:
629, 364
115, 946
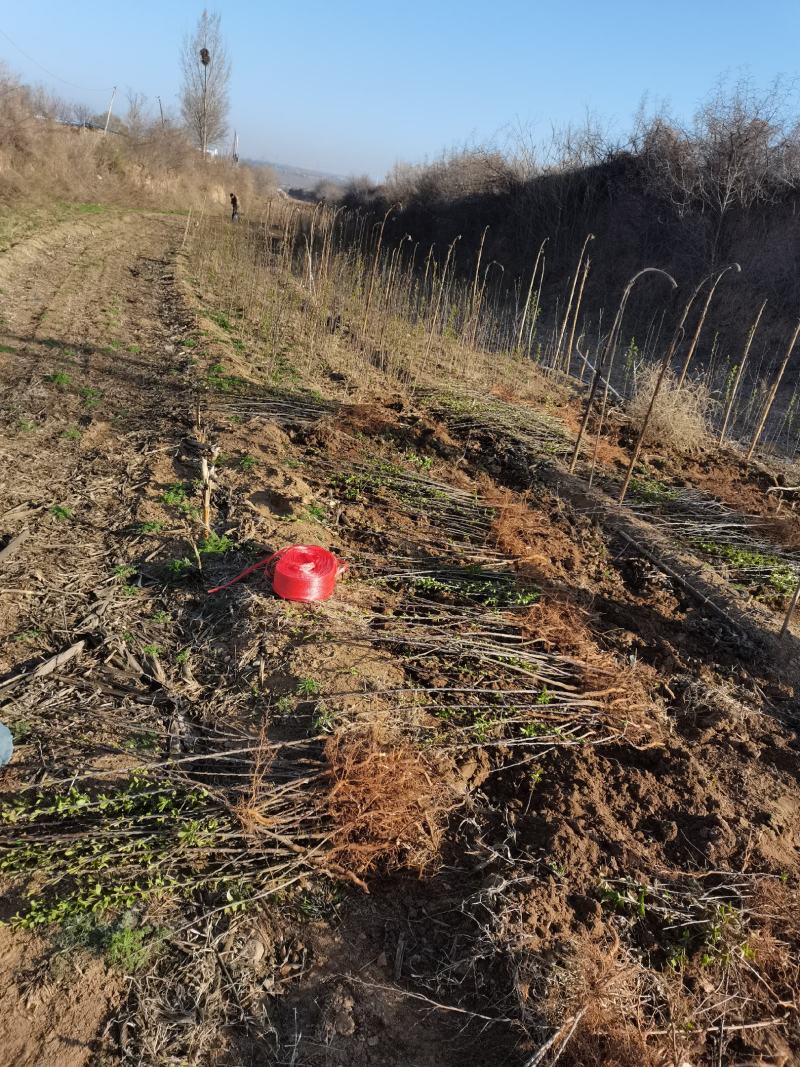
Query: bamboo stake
740, 371
773, 393
438, 304
606, 351
568, 351
790, 610
702, 319
539, 255
375, 269
557, 352
665, 363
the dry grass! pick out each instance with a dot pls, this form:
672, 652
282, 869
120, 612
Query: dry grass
679, 421
594, 998
387, 803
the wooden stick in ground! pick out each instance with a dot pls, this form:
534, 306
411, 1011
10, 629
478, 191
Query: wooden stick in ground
576, 275
773, 393
702, 319
571, 338
665, 364
790, 610
438, 303
374, 270
612, 337
186, 230
207, 472
521, 329
473, 298
739, 372
602, 419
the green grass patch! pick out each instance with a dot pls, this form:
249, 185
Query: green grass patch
59, 378
772, 571
644, 490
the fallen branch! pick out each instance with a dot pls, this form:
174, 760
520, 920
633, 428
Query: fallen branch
13, 545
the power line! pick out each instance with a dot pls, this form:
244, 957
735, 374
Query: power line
36, 63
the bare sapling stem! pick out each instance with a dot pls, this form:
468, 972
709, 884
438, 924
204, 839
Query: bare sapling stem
611, 341
772, 394
481, 293
437, 305
602, 419
474, 296
575, 276
666, 362
521, 329
696, 336
186, 228
790, 609
374, 270
534, 316
571, 338
207, 473
739, 372
311, 287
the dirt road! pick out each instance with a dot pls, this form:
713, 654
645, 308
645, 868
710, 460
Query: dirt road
89, 388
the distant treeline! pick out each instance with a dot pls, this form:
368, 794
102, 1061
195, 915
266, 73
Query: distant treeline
686, 198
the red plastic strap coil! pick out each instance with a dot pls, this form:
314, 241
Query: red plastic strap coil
300, 572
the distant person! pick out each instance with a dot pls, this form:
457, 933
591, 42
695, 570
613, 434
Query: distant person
234, 208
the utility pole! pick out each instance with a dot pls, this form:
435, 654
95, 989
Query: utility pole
108, 116
161, 109
235, 147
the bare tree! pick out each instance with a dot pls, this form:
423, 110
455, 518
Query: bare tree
206, 76
740, 150
136, 118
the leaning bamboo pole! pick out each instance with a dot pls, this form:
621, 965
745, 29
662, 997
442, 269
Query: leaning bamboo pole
612, 339
576, 275
739, 372
702, 319
772, 394
525, 309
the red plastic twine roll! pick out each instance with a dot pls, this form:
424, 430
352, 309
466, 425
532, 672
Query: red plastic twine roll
299, 572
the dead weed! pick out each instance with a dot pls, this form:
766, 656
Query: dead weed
388, 804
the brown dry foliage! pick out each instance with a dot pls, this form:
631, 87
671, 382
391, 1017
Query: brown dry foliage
601, 990
679, 421
534, 542
387, 803
564, 627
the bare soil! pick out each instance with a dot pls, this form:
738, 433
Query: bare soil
537, 886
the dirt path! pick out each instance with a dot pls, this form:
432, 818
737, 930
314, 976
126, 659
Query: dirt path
88, 337
87, 351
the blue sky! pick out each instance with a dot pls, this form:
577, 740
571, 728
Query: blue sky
351, 87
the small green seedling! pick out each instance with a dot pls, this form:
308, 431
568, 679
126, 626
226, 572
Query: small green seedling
59, 378
61, 514
90, 397
307, 687
25, 425
247, 463
151, 527
124, 570
324, 721
216, 545
72, 434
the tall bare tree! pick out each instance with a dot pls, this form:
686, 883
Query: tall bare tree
206, 75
